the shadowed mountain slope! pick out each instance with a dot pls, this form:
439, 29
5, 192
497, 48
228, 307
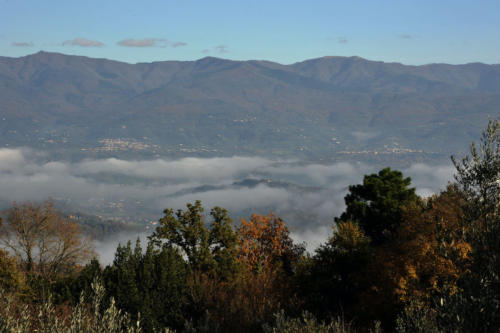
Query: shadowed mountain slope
314, 108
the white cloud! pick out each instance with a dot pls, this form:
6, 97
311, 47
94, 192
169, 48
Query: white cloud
430, 179
221, 49
22, 44
179, 44
82, 42
340, 174
312, 238
145, 42
10, 159
235, 199
106, 249
190, 168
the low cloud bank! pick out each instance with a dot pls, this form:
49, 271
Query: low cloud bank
306, 195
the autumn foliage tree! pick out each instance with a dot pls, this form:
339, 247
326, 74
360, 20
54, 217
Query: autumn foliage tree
11, 278
388, 248
427, 256
44, 242
265, 243
269, 257
430, 252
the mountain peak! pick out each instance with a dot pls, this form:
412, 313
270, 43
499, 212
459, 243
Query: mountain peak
209, 59
213, 62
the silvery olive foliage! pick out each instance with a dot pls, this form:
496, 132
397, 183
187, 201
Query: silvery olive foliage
88, 316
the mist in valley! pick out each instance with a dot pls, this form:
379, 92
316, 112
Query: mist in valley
306, 195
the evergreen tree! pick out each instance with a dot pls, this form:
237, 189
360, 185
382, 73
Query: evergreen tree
152, 284
376, 205
120, 279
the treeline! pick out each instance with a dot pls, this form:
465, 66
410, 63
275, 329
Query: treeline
394, 262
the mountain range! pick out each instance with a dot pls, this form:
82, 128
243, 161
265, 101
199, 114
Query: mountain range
318, 109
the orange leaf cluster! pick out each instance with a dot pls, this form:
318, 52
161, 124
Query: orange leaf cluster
262, 240
429, 254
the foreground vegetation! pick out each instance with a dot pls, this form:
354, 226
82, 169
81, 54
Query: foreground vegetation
394, 262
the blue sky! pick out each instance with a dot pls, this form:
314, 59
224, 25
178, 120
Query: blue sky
411, 32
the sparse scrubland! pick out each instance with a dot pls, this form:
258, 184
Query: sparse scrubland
394, 262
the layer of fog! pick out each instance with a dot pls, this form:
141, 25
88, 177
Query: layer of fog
306, 195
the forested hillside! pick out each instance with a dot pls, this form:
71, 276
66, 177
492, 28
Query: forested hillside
316, 109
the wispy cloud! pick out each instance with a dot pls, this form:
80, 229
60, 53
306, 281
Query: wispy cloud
338, 39
221, 48
179, 44
205, 51
145, 42
342, 40
406, 36
22, 44
82, 42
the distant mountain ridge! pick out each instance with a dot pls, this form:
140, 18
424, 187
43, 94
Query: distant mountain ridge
317, 107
